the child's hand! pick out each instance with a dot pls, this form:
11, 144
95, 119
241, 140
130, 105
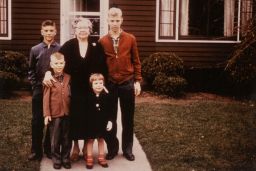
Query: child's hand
109, 126
47, 119
48, 78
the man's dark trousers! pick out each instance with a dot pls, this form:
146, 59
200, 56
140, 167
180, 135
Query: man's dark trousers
125, 93
38, 124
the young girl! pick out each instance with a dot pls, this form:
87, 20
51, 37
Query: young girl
98, 119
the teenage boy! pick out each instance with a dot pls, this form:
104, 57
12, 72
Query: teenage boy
39, 63
56, 102
124, 76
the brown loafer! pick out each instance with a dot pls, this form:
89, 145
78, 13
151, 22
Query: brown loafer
74, 156
102, 161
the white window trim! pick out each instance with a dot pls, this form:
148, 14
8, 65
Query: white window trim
9, 36
176, 40
104, 5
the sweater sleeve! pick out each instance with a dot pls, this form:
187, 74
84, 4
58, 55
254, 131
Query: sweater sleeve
136, 60
32, 68
46, 101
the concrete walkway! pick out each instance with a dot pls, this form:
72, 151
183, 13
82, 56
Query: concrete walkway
119, 163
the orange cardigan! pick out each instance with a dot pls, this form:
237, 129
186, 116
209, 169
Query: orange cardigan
56, 99
124, 65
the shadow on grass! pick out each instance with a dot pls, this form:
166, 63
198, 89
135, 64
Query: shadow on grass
15, 133
204, 135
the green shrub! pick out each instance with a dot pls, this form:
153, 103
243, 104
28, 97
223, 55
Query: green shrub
162, 62
242, 70
169, 85
241, 65
14, 62
8, 82
164, 71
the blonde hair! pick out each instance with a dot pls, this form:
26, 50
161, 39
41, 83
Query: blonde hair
95, 77
57, 55
115, 12
82, 20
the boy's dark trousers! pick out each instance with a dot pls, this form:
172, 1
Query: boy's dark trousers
38, 124
60, 139
125, 93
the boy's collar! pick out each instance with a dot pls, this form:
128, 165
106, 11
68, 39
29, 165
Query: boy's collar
51, 44
118, 35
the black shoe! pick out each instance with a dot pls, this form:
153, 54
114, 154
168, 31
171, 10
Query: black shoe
34, 156
129, 156
110, 156
66, 165
56, 166
48, 155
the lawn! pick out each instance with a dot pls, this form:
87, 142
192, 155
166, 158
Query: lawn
197, 135
15, 132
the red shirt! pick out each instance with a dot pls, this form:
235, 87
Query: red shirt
125, 64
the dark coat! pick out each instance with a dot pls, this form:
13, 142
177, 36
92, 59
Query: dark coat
80, 70
98, 115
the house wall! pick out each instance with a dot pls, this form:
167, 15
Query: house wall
27, 16
139, 19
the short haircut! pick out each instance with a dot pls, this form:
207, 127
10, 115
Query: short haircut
113, 12
84, 20
95, 77
57, 55
48, 23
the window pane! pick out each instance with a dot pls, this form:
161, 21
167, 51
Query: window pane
208, 19
246, 14
167, 15
85, 5
3, 18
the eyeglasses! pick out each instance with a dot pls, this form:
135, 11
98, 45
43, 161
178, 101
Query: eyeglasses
82, 28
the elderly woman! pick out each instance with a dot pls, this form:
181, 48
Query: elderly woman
83, 57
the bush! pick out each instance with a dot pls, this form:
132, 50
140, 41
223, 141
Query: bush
8, 82
241, 65
14, 62
162, 62
13, 70
164, 72
169, 85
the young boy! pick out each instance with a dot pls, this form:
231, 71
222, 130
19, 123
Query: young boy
98, 119
39, 63
56, 102
124, 76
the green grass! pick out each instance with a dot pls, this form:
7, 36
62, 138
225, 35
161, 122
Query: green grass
15, 133
202, 135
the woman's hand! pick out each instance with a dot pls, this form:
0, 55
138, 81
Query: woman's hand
48, 78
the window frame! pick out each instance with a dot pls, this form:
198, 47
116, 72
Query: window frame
180, 39
8, 36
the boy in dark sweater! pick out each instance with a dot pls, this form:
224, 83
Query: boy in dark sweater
56, 101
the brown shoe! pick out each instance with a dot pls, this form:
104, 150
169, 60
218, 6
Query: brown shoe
74, 156
89, 162
102, 161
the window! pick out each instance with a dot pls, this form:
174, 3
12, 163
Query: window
95, 10
5, 19
202, 20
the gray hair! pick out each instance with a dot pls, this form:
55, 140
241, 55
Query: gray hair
84, 20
